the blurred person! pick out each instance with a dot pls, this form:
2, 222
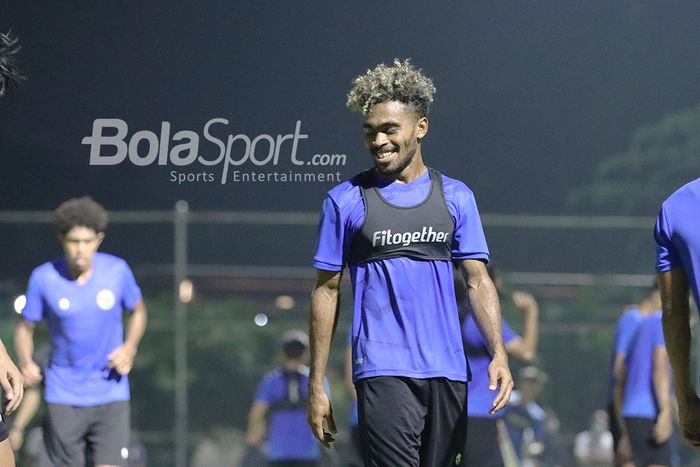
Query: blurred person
277, 424
525, 418
594, 447
625, 330
554, 453
9, 74
643, 393
677, 235
83, 296
398, 227
483, 448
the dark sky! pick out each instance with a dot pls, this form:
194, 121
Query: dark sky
531, 95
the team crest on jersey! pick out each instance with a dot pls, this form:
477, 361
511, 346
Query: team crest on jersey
105, 299
64, 304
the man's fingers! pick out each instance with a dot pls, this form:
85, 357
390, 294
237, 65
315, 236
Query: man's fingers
505, 387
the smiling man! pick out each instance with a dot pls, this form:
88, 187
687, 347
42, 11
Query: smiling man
82, 296
399, 227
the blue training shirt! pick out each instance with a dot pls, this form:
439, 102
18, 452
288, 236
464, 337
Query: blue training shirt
677, 234
289, 436
626, 329
85, 324
640, 399
405, 320
480, 397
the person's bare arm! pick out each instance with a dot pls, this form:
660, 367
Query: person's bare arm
257, 424
11, 381
624, 449
24, 347
487, 314
675, 305
661, 378
122, 358
525, 348
325, 301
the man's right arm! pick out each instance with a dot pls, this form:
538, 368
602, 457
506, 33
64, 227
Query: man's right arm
673, 286
325, 304
24, 346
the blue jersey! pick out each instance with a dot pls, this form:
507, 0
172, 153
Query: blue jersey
480, 397
85, 324
289, 436
626, 329
677, 234
405, 320
640, 398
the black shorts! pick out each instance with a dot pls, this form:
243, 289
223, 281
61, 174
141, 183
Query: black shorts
101, 431
408, 422
482, 443
645, 451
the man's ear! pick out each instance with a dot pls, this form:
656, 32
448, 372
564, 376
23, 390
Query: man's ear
421, 128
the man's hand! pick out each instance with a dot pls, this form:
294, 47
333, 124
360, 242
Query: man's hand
663, 428
689, 420
122, 359
12, 383
31, 373
525, 302
500, 377
623, 454
319, 410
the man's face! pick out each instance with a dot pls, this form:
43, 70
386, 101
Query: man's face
79, 245
392, 131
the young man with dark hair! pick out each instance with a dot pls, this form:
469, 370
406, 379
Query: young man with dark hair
278, 414
82, 296
399, 227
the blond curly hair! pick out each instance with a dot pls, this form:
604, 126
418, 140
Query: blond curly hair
401, 82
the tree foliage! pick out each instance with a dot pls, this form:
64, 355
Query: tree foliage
661, 157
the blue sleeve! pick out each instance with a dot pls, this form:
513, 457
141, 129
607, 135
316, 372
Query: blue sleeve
265, 391
131, 292
330, 254
468, 241
34, 309
658, 333
667, 256
626, 327
508, 333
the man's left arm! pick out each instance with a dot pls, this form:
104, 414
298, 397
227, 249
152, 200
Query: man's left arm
487, 313
661, 377
122, 358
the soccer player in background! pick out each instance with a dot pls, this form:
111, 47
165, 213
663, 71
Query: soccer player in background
399, 227
277, 419
483, 445
83, 296
677, 235
643, 392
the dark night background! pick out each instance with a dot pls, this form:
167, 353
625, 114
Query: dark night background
532, 97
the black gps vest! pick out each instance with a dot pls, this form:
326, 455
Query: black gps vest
423, 231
